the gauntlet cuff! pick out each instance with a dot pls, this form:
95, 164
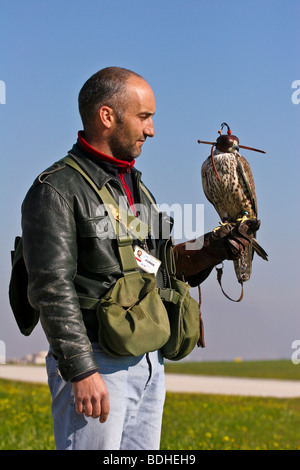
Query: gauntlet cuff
195, 259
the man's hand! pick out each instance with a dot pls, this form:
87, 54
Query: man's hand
91, 397
226, 241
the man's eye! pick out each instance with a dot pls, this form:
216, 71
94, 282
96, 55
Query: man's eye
145, 116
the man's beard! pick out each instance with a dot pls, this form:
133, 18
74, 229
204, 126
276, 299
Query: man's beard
120, 146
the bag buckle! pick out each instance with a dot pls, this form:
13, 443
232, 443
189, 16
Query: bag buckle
124, 240
169, 295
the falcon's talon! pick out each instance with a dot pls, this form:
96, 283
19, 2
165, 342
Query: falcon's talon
219, 226
243, 219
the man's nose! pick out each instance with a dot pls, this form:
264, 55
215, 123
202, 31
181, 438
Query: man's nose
149, 128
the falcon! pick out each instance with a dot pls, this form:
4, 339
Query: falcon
228, 184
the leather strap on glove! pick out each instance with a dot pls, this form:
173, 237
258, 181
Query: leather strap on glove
195, 259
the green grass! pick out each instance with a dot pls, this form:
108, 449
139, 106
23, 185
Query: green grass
190, 422
25, 417
282, 369
208, 422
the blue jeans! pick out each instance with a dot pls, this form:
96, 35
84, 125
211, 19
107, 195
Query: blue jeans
136, 387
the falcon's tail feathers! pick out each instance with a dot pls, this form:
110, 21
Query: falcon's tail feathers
259, 250
243, 265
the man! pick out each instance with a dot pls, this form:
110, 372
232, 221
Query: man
98, 401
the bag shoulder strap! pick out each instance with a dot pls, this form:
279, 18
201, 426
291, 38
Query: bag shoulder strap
119, 221
132, 224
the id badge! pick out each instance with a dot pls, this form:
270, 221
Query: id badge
145, 261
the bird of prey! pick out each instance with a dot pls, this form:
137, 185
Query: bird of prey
228, 184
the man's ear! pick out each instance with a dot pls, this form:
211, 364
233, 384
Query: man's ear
106, 115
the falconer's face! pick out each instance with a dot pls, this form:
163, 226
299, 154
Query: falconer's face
129, 133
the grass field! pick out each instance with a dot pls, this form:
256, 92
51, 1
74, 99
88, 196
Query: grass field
208, 422
282, 369
190, 422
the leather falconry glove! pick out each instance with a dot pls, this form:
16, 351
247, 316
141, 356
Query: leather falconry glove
195, 259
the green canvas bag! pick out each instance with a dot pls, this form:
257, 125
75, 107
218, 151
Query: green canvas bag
132, 329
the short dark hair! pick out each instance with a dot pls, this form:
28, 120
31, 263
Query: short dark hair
106, 87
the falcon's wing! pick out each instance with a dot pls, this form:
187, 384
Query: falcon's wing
245, 173
205, 186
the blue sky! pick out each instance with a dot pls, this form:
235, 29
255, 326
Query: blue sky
207, 62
